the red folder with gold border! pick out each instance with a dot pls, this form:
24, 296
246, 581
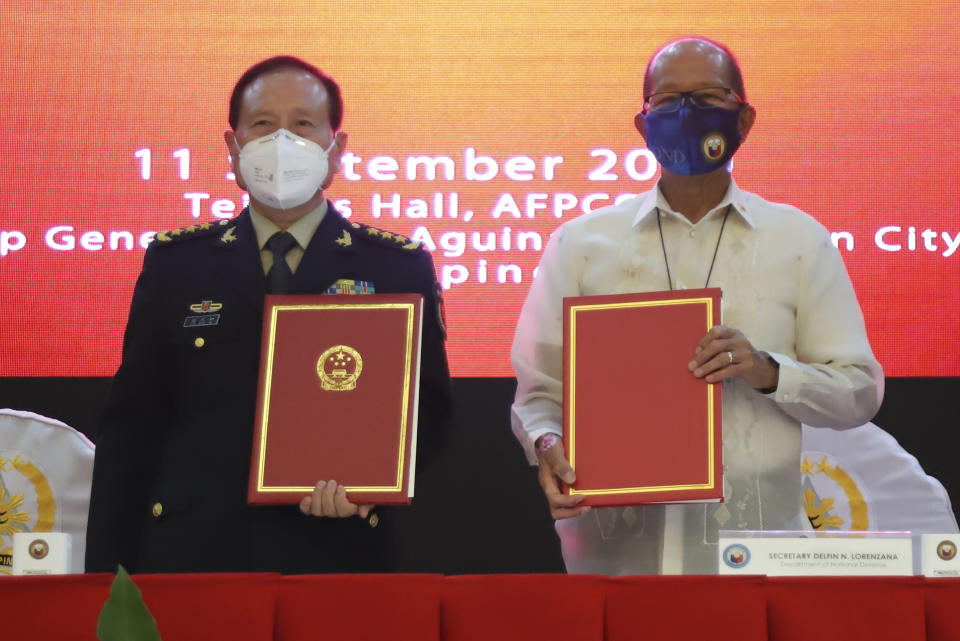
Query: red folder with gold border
638, 426
337, 398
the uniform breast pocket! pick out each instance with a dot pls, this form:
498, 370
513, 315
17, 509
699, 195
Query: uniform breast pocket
214, 361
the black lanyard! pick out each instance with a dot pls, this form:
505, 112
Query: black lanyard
715, 250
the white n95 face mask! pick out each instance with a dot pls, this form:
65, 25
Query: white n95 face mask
282, 169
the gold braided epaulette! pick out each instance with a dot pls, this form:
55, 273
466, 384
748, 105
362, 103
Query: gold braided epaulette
384, 237
193, 231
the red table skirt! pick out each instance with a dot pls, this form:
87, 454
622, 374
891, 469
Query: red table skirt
495, 607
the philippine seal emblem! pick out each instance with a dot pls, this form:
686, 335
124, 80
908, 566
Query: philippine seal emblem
736, 556
713, 147
38, 549
946, 550
26, 503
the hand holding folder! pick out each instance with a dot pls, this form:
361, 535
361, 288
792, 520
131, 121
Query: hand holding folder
338, 399
725, 352
329, 499
554, 465
639, 426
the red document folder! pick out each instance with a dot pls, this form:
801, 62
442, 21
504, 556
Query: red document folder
638, 426
337, 399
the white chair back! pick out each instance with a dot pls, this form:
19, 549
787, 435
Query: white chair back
46, 468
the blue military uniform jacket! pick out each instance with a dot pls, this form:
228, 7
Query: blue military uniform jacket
173, 451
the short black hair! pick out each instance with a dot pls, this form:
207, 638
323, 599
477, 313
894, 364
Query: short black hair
286, 62
733, 66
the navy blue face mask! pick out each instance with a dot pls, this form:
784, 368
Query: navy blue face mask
693, 140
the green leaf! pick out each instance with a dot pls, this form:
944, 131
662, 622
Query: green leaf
125, 616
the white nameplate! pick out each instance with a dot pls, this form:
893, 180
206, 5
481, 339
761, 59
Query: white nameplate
41, 553
816, 556
940, 554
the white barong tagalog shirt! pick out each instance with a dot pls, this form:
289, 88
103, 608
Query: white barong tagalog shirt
784, 286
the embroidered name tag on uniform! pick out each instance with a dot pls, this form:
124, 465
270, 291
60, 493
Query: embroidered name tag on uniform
201, 321
351, 287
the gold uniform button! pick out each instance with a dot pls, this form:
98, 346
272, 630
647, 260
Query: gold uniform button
157, 509
198, 342
374, 520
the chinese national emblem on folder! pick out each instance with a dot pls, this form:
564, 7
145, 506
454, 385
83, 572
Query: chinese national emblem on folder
337, 398
339, 368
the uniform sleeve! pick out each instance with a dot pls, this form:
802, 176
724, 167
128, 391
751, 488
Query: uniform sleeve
835, 381
435, 410
128, 442
537, 352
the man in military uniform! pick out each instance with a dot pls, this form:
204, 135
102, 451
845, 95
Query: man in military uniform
173, 452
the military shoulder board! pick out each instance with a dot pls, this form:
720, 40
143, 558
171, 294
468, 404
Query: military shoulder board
199, 230
385, 237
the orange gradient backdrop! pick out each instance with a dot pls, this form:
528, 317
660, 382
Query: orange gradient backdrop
857, 126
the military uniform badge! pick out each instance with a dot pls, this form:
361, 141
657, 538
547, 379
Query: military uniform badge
206, 315
351, 287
